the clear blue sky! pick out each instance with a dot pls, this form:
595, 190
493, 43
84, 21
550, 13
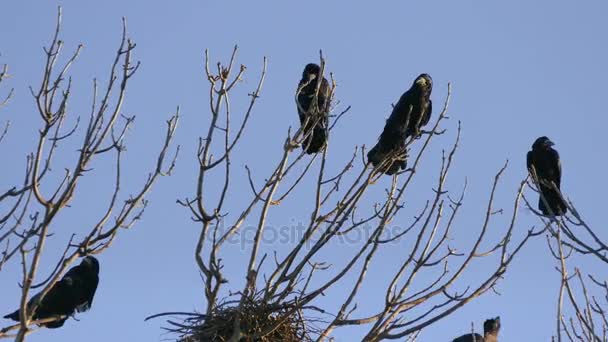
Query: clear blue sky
519, 69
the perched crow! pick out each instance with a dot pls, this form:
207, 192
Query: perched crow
411, 113
74, 292
548, 169
490, 332
313, 117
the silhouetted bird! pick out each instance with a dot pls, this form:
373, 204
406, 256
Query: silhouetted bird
548, 169
412, 111
74, 292
313, 116
490, 332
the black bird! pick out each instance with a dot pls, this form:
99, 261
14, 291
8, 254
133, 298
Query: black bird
548, 169
412, 111
313, 117
74, 292
490, 332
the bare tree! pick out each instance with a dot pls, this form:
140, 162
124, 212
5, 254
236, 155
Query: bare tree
4, 100
282, 298
29, 209
582, 300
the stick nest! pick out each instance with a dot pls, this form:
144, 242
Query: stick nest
259, 322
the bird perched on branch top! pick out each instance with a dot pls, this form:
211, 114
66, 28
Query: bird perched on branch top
547, 166
74, 292
490, 332
412, 111
313, 115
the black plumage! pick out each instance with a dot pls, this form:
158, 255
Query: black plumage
410, 114
74, 292
469, 338
548, 169
490, 332
313, 116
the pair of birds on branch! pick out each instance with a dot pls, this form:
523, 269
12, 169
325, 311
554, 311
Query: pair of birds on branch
412, 111
409, 115
73, 293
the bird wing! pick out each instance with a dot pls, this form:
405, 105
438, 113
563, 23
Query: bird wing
557, 166
530, 162
59, 299
323, 97
427, 114
400, 115
303, 101
89, 286
324, 103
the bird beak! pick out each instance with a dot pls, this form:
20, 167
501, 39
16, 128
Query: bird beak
421, 81
549, 143
311, 77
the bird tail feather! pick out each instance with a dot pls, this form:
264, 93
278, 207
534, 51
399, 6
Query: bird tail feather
316, 141
14, 316
555, 201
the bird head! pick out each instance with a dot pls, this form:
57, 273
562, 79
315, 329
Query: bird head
542, 143
90, 262
311, 71
424, 81
491, 326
